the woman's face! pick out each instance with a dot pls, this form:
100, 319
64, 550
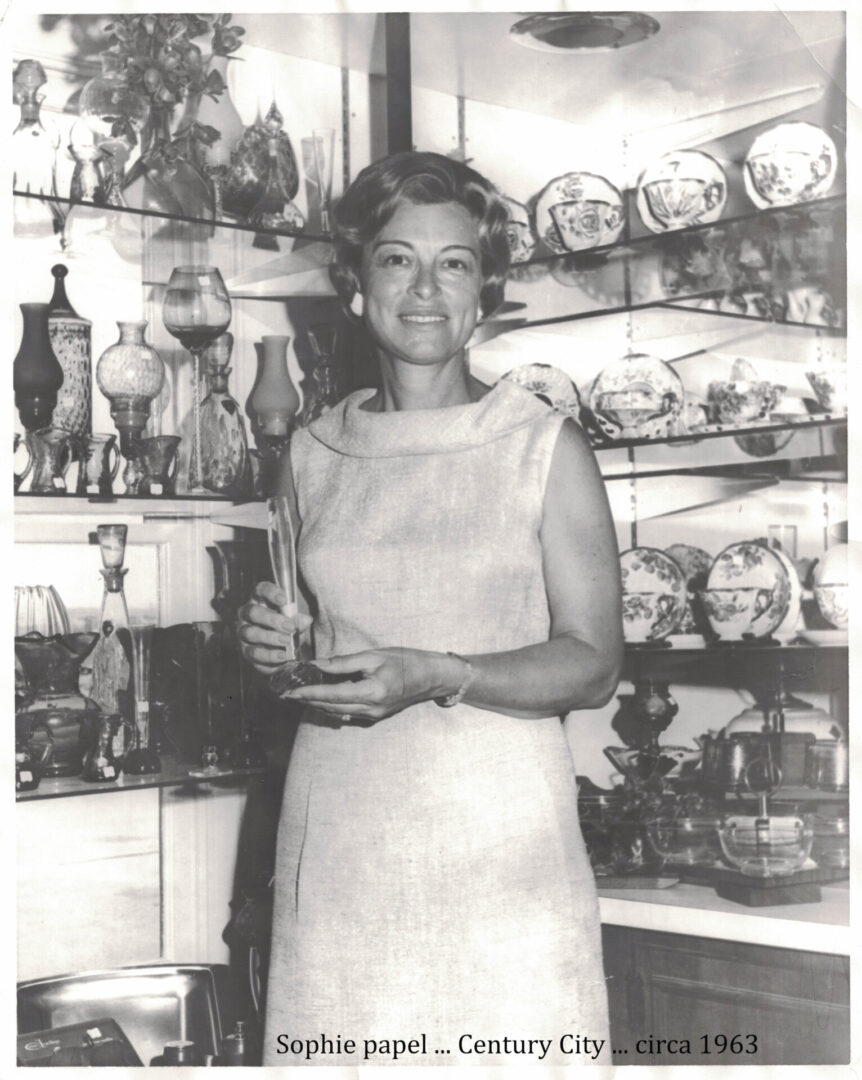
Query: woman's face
421, 279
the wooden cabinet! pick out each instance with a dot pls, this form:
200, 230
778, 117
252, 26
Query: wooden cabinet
673, 996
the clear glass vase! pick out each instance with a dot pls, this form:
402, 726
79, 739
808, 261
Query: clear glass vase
33, 154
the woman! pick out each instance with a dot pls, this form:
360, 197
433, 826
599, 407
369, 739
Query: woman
458, 549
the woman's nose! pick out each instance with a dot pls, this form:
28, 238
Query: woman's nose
424, 283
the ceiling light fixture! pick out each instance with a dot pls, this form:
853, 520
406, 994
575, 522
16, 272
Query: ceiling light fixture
598, 31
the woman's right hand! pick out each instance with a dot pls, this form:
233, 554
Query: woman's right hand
265, 632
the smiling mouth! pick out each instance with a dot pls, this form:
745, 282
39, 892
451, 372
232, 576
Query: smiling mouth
417, 318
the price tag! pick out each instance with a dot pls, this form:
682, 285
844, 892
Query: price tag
156, 489
25, 777
109, 771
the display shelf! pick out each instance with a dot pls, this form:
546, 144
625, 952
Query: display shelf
755, 663
239, 226
713, 431
175, 773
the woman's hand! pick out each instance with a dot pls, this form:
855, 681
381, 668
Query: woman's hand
381, 682
265, 633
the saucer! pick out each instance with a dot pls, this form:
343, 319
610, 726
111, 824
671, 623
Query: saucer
749, 565
683, 188
600, 223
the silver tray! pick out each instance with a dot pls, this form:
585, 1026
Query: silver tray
152, 1004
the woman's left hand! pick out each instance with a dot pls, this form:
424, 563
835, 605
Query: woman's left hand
384, 681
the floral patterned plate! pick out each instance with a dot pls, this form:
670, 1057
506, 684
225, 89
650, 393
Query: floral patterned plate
519, 231
749, 564
577, 211
680, 189
654, 594
549, 383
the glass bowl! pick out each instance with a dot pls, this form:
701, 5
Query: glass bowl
831, 846
766, 847
684, 840
39, 608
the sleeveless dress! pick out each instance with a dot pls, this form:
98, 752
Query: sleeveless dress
431, 877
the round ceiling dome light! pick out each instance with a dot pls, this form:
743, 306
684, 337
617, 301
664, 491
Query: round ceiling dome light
576, 31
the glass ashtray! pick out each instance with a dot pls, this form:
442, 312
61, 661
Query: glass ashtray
766, 847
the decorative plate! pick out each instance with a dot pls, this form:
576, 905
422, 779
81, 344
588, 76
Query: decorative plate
788, 164
654, 594
519, 231
695, 564
551, 384
748, 564
786, 629
637, 397
577, 211
683, 188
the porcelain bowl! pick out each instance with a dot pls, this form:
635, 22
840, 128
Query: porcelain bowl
738, 402
650, 616
766, 847
833, 602
734, 612
830, 388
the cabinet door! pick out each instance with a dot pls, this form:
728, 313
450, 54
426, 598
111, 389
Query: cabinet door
703, 992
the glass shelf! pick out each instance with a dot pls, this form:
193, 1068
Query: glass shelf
240, 226
174, 773
717, 431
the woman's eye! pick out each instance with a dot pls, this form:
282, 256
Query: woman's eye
455, 262
395, 258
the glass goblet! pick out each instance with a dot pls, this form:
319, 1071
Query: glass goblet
196, 310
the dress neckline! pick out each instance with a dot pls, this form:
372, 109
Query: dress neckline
351, 430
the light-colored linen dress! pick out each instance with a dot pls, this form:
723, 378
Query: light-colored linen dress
431, 875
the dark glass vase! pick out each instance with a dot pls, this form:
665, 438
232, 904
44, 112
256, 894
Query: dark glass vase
36, 372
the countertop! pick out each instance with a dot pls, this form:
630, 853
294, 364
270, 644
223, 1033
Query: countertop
683, 908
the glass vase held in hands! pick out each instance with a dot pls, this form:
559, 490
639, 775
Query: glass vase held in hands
298, 669
196, 311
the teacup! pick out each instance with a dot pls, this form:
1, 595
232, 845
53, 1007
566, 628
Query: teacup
833, 601
649, 616
630, 409
782, 177
53, 450
157, 456
97, 468
741, 401
587, 223
734, 613
830, 386
676, 202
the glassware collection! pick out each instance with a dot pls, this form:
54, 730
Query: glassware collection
53, 385
111, 702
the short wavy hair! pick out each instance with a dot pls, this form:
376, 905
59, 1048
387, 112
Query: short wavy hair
425, 178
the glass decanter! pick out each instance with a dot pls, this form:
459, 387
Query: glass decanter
110, 662
33, 152
224, 444
196, 311
324, 390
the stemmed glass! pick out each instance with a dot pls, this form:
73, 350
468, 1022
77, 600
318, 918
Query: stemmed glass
323, 141
196, 311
